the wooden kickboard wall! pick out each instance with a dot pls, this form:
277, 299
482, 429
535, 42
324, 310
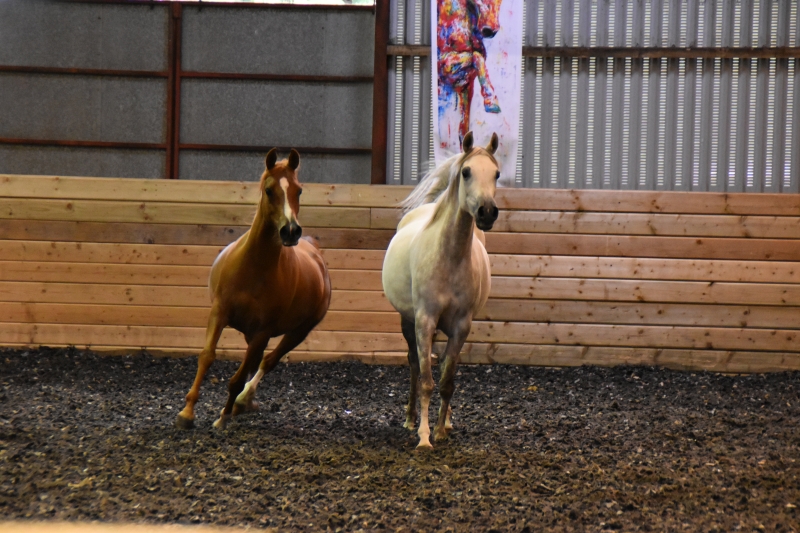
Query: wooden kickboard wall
682, 279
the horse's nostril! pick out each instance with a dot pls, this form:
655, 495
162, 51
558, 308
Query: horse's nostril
494, 211
481, 211
488, 32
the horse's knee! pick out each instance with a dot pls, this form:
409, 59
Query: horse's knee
426, 387
446, 390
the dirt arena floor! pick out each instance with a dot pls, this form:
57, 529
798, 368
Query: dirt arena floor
84, 437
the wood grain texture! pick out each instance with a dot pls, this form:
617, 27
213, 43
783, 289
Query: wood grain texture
651, 224
170, 213
639, 246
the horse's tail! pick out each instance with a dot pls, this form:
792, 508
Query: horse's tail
431, 186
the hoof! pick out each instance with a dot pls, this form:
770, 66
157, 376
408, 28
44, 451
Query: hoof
223, 420
424, 446
243, 409
184, 423
440, 435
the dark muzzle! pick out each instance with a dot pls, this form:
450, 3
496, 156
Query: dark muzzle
290, 234
487, 214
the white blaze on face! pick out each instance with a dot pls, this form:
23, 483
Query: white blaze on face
287, 210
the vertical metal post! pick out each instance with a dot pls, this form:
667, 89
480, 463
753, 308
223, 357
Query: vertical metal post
582, 103
174, 92
565, 135
380, 91
618, 98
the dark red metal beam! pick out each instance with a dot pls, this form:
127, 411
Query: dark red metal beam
85, 71
195, 3
380, 93
625, 52
277, 77
266, 148
84, 144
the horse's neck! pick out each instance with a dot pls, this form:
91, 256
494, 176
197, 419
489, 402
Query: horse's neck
457, 229
263, 241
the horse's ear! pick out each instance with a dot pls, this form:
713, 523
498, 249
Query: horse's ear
294, 159
466, 144
493, 144
271, 159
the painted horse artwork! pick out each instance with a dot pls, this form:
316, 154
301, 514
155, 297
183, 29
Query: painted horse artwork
436, 271
267, 283
462, 27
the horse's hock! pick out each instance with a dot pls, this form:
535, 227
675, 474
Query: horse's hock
686, 280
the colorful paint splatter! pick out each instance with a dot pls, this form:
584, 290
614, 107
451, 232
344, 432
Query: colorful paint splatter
475, 41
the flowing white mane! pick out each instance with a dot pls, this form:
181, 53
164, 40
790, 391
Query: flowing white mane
433, 184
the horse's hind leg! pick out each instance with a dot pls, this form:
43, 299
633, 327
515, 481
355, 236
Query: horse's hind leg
446, 382
289, 342
255, 349
214, 329
413, 364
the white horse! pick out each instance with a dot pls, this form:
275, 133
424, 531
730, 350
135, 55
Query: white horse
436, 270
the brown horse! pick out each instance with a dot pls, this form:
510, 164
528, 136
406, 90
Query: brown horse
267, 283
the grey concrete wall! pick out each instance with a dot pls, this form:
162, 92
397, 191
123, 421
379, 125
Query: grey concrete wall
276, 113
248, 166
59, 34
272, 40
321, 42
47, 106
78, 161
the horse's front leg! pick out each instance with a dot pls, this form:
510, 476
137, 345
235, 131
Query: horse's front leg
465, 102
490, 103
448, 365
425, 329
255, 350
214, 329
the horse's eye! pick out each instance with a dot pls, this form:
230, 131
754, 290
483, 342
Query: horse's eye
299, 192
497, 176
467, 173
270, 194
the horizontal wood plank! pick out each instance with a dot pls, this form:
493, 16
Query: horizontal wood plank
158, 254
154, 295
187, 337
635, 336
183, 234
502, 287
355, 259
221, 192
170, 213
699, 203
770, 227
638, 246
27, 186
734, 361
637, 313
168, 275
645, 268
646, 291
482, 332
143, 315
533, 355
